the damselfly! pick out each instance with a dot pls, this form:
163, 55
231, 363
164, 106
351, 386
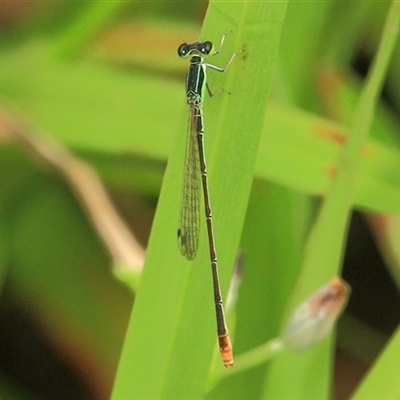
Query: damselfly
195, 169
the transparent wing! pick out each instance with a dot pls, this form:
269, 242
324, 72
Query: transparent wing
189, 222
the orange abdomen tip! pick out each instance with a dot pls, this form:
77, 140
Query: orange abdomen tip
225, 347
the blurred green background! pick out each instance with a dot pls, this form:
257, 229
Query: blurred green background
104, 80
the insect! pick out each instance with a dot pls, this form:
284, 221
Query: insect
195, 170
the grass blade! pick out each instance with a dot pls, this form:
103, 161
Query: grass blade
171, 337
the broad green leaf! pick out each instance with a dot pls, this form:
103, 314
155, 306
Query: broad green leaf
171, 336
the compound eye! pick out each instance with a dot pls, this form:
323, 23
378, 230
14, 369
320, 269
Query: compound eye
207, 47
182, 50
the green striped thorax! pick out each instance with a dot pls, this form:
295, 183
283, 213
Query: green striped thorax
196, 76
